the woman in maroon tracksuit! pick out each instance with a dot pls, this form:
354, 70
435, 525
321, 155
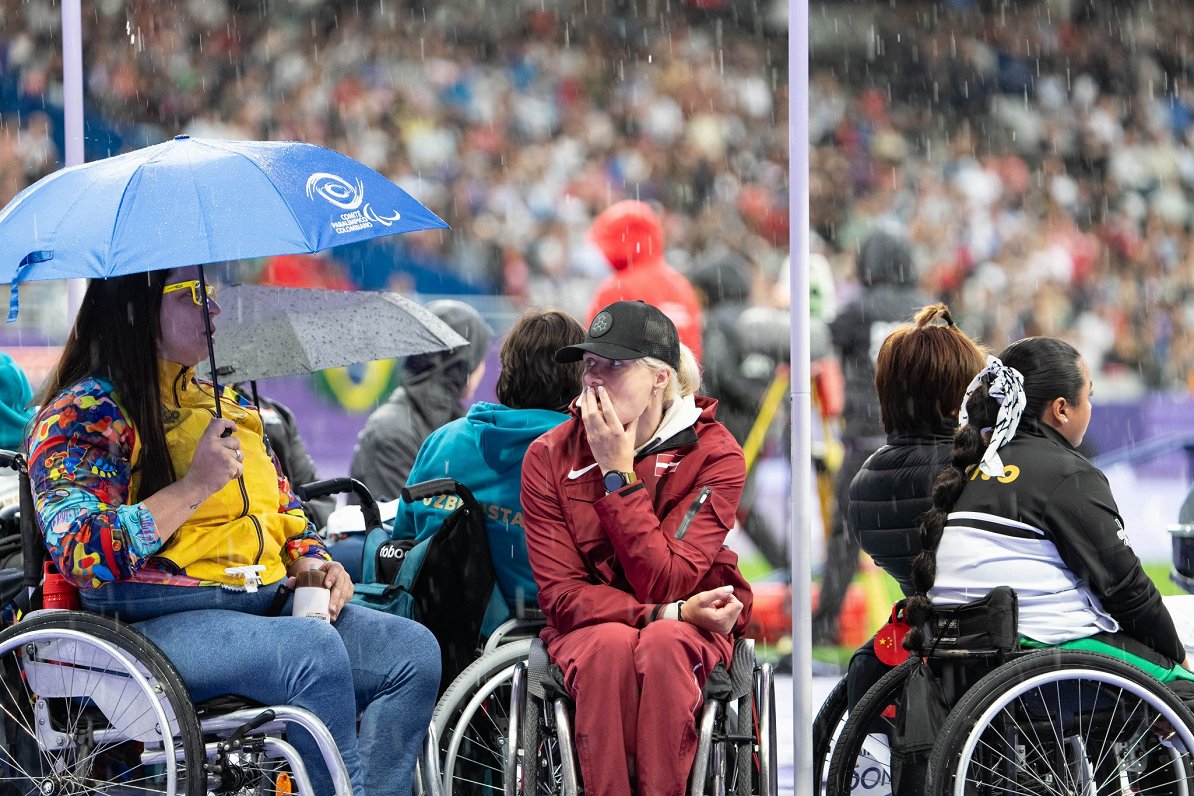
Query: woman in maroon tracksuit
627, 506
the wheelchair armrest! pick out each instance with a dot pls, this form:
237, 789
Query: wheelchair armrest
966, 654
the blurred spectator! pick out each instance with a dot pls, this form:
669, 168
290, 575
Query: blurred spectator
282, 435
484, 451
630, 235
431, 394
738, 367
512, 122
15, 395
887, 277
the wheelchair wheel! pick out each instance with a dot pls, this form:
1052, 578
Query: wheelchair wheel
860, 760
472, 722
537, 765
827, 728
88, 705
1065, 722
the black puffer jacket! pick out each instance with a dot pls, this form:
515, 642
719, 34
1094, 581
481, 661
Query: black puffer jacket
889, 297
890, 493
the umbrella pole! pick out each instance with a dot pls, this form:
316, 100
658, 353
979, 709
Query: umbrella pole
253, 387
211, 349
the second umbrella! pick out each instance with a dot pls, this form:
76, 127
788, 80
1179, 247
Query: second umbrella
264, 332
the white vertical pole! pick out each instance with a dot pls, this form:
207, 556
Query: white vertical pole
801, 508
72, 79
72, 85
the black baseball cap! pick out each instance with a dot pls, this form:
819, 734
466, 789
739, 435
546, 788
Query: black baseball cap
628, 330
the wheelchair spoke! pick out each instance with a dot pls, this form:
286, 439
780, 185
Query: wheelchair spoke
480, 759
1106, 746
1026, 710
1017, 785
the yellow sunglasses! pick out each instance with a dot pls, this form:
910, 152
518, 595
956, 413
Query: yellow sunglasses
193, 286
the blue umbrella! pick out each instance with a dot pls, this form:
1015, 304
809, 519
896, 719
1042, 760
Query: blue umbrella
191, 201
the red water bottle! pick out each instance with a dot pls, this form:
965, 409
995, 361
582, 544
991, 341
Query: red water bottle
57, 591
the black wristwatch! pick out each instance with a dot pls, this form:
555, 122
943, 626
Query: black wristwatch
616, 479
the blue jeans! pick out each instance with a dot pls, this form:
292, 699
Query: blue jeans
221, 642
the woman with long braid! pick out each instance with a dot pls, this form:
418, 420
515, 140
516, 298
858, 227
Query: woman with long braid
1021, 507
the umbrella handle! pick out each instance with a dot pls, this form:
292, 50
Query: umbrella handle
211, 349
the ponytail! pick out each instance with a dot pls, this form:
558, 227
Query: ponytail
1027, 376
969, 444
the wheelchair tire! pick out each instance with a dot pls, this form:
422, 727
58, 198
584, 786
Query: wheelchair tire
859, 762
767, 733
536, 766
827, 728
1064, 721
82, 706
471, 721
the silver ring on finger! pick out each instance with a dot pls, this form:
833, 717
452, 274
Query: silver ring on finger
240, 457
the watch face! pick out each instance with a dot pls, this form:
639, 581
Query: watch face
614, 481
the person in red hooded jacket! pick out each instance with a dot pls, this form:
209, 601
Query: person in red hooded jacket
626, 509
630, 235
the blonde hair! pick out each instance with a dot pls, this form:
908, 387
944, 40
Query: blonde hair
682, 382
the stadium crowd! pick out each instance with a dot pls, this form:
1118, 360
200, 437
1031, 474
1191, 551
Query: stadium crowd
1039, 156
1040, 160
517, 123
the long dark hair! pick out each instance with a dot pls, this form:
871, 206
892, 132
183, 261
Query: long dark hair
115, 337
1051, 370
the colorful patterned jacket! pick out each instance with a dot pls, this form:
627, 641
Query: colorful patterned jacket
83, 454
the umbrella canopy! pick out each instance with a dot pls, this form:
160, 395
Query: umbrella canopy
192, 201
281, 331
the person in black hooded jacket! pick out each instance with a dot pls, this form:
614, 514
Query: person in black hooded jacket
889, 295
431, 394
921, 374
739, 365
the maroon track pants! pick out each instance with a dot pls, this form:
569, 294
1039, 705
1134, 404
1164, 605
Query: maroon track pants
637, 694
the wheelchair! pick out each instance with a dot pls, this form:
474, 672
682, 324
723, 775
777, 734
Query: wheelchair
736, 748
447, 583
1010, 720
469, 738
474, 729
89, 705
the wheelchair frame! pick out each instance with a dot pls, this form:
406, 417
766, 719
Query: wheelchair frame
541, 725
78, 668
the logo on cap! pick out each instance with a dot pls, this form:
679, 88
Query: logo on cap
601, 324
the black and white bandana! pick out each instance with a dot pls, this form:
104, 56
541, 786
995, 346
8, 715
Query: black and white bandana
1005, 385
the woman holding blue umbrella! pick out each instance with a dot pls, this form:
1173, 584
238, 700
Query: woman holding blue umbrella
181, 523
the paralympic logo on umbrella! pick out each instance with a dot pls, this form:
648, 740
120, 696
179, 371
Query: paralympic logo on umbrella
348, 197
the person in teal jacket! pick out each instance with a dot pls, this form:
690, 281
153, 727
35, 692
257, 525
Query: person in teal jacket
15, 395
484, 450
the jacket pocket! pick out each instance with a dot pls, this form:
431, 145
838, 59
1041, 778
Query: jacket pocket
701, 498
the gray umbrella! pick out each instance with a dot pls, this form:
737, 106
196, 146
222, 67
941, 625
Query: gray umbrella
281, 331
